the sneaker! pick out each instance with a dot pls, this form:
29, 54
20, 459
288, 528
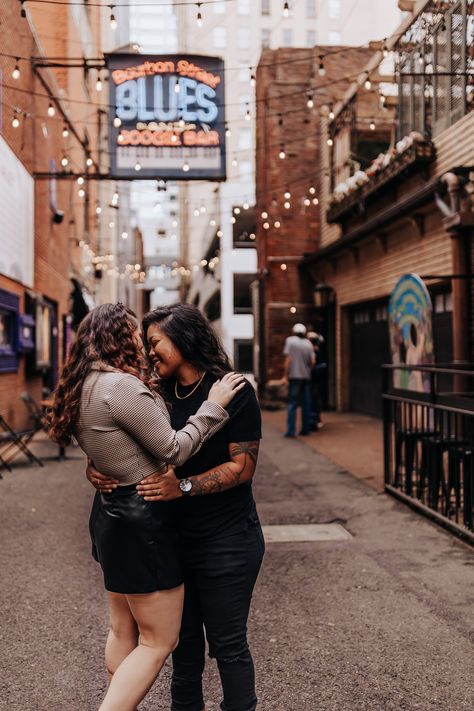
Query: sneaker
290, 436
304, 434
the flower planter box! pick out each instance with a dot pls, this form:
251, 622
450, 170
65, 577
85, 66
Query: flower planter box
413, 159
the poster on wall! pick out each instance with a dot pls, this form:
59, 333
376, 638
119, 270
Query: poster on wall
17, 218
167, 117
411, 332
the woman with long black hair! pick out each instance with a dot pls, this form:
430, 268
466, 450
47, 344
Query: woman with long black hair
222, 543
103, 400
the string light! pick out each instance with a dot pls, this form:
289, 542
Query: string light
282, 154
286, 9
292, 309
235, 162
23, 9
312, 190
331, 113
315, 201
277, 224
368, 83
15, 119
246, 206
176, 86
321, 68
64, 161
16, 71
51, 110
310, 102
202, 209
330, 142
113, 20
266, 225
186, 167
307, 202
372, 126
283, 267
228, 132
98, 84
287, 195
80, 180
247, 114
124, 235
199, 15
65, 131
253, 78
138, 166
287, 205
264, 215
98, 210
81, 192
117, 122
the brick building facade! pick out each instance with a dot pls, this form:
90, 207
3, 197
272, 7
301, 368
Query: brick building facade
32, 349
296, 90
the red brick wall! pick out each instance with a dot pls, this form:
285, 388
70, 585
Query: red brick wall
283, 119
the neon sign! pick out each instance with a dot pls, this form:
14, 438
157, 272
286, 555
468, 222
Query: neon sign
167, 112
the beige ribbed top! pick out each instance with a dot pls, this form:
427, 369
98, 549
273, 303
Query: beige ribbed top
125, 428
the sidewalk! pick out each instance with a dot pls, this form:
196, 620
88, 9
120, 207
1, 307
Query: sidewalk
379, 622
352, 441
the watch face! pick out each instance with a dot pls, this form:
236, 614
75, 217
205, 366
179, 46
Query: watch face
185, 485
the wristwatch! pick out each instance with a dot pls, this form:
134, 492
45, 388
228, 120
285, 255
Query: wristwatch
186, 486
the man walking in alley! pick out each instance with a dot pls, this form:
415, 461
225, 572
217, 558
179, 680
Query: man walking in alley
299, 360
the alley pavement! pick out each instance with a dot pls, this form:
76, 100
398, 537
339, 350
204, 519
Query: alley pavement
381, 621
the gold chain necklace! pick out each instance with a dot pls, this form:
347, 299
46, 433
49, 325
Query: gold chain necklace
192, 391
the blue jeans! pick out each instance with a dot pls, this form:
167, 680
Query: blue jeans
299, 394
220, 575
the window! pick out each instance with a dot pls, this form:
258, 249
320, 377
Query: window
243, 356
287, 38
310, 38
334, 37
310, 8
219, 37
219, 7
334, 9
243, 7
265, 7
243, 38
266, 35
245, 139
242, 293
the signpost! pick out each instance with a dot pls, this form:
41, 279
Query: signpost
167, 117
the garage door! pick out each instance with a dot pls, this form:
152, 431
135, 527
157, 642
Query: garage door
369, 349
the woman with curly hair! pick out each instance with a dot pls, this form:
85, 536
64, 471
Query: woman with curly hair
222, 543
103, 400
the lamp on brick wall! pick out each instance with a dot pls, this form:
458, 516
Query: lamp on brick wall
323, 295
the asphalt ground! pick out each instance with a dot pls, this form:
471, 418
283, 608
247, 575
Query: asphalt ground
381, 622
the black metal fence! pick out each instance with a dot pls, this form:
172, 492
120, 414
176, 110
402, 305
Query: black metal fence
429, 441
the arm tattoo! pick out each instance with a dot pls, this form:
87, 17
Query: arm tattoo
228, 475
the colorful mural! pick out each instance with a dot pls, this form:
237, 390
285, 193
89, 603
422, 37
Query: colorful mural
411, 333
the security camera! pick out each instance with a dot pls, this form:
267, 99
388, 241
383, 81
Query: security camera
58, 216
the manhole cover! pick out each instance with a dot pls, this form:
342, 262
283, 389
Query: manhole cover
306, 532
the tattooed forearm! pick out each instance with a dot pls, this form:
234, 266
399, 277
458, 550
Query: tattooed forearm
226, 476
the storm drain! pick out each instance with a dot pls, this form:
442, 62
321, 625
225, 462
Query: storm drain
306, 532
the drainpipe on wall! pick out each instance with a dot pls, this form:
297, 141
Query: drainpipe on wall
459, 223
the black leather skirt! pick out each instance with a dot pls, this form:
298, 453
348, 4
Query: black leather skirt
135, 541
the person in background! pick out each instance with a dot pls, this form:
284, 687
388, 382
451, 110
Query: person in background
316, 341
299, 360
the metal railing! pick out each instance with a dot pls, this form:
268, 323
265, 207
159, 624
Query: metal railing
428, 417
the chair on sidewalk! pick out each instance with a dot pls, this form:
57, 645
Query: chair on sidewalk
15, 441
36, 412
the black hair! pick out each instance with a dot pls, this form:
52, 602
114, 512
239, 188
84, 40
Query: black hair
193, 336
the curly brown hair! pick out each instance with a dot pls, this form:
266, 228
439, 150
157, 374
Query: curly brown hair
106, 334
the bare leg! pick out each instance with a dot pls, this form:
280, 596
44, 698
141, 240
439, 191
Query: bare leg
123, 632
158, 616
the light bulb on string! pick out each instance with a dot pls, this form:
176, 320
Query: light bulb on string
277, 224
330, 142
372, 126
23, 9
283, 267
202, 209
247, 114
331, 113
186, 167
292, 309
199, 15
81, 192
321, 68
117, 122
51, 110
307, 202
368, 83
310, 102
113, 20
266, 225
65, 131
228, 132
138, 166
80, 180
64, 161
253, 78
89, 162
264, 215
315, 201
286, 9
196, 212
287, 195
287, 205
98, 210
98, 84
236, 210
312, 190
176, 86
282, 154
235, 162
15, 120
16, 71
246, 206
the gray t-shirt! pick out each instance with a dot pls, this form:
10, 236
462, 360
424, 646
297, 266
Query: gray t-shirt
301, 355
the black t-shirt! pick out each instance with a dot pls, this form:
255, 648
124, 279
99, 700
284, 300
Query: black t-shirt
226, 512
